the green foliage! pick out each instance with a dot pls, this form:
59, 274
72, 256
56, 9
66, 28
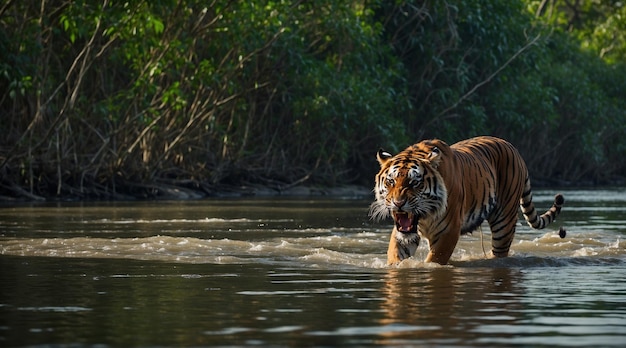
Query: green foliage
218, 92
98, 96
583, 65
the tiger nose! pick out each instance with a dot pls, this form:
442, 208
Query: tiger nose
399, 203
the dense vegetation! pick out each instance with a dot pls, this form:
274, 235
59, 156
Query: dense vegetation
117, 99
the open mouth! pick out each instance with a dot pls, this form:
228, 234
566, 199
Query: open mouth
405, 222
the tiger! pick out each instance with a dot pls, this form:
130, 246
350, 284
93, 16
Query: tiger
440, 192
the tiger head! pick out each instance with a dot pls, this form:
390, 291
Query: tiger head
409, 186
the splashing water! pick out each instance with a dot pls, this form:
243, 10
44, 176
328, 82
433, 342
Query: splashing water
322, 233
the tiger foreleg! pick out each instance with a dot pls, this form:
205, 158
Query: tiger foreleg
441, 251
401, 246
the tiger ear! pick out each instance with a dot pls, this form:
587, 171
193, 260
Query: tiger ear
383, 156
434, 157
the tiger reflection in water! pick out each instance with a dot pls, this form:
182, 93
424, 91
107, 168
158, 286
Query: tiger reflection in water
446, 299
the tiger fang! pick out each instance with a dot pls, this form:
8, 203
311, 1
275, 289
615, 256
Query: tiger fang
405, 222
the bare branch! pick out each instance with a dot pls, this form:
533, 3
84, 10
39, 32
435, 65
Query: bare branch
490, 77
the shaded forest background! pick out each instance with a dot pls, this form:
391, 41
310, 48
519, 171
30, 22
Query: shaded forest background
123, 99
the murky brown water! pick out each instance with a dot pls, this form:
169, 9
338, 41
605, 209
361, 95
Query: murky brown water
292, 272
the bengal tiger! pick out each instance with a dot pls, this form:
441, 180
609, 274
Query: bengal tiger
439, 192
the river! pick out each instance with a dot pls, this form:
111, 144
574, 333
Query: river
302, 272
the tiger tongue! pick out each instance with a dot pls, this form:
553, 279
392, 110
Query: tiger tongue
404, 222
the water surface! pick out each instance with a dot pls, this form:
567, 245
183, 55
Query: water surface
288, 272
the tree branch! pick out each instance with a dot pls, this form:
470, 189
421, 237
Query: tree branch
489, 78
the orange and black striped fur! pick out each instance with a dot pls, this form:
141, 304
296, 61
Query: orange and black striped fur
440, 192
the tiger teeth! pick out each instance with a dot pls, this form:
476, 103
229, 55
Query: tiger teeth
405, 221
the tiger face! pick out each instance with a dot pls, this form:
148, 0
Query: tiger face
409, 188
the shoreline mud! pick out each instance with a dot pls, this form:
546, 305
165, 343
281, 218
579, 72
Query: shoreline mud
184, 192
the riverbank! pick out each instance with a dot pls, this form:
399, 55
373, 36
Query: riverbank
186, 191
191, 189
